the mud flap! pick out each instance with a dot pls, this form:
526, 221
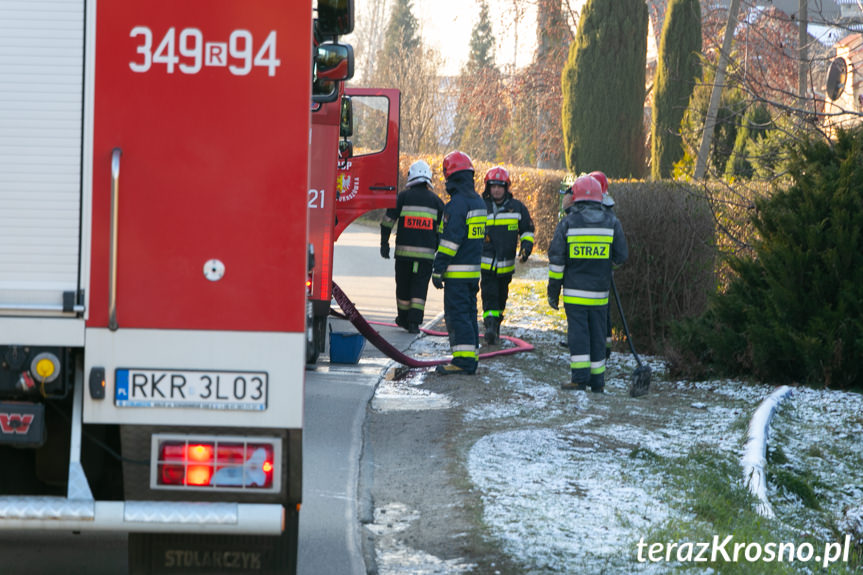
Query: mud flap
175, 553
22, 424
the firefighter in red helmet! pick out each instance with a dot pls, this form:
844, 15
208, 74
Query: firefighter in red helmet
456, 267
586, 243
508, 228
607, 203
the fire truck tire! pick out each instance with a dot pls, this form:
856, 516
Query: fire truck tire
188, 553
318, 343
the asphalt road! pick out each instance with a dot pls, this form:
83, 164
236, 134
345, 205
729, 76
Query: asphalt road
335, 409
336, 399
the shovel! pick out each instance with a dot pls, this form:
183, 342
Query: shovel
640, 378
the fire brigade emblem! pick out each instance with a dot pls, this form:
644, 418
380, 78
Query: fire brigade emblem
347, 187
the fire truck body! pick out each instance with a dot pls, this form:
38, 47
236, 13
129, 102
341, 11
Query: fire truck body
347, 181
153, 163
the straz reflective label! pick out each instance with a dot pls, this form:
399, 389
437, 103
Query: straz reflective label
476, 231
243, 391
415, 223
588, 251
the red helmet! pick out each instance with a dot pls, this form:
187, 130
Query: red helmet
497, 176
456, 162
603, 181
586, 189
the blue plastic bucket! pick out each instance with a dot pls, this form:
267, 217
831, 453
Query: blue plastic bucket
346, 347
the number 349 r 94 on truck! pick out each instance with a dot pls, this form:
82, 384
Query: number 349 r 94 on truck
154, 262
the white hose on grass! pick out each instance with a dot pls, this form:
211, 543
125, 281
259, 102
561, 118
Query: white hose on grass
755, 452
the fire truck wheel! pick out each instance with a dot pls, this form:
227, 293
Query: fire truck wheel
187, 553
318, 343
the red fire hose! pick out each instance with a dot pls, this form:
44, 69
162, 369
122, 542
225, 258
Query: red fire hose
353, 315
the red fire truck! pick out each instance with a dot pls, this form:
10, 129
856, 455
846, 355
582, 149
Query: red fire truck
349, 178
154, 256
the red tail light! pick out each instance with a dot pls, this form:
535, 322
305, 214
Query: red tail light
215, 463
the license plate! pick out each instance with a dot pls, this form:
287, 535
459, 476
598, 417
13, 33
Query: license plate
229, 390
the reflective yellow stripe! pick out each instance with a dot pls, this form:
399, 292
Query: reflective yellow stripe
585, 301
590, 238
468, 354
461, 275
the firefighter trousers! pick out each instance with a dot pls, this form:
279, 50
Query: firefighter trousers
459, 306
586, 338
494, 289
412, 284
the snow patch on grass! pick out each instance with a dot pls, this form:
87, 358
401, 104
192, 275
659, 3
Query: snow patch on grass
553, 505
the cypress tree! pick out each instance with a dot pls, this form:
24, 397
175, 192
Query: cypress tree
481, 115
405, 63
678, 69
732, 107
756, 123
603, 89
402, 35
481, 42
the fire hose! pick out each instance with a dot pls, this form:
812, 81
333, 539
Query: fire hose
376, 339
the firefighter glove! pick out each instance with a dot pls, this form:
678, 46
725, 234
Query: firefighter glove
385, 251
554, 296
437, 280
524, 252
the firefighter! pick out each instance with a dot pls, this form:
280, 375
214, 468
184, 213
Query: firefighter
508, 226
586, 243
456, 267
418, 212
608, 204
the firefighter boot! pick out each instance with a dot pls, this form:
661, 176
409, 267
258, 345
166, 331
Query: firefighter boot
492, 330
576, 385
451, 369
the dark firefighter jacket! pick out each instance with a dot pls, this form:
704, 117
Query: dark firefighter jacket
419, 213
586, 243
506, 226
460, 250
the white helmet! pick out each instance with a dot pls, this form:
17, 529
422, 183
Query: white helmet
419, 172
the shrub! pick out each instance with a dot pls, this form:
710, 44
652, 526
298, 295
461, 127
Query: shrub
672, 255
792, 311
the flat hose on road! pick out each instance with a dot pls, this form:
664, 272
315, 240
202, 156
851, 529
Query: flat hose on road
355, 317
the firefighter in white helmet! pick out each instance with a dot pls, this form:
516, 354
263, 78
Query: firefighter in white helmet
419, 213
586, 243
